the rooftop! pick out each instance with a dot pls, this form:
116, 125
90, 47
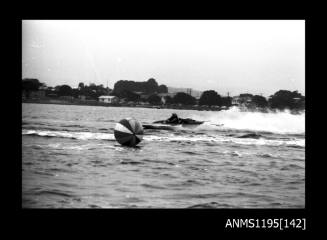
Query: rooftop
108, 97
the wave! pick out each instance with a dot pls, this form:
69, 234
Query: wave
299, 143
54, 192
72, 135
72, 125
186, 138
211, 205
281, 122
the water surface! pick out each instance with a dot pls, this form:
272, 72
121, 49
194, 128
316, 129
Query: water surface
71, 159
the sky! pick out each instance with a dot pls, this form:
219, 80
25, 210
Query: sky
235, 56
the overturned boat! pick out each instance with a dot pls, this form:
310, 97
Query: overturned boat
167, 125
181, 121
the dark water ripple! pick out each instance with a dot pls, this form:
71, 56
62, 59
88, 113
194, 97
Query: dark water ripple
295, 146
53, 192
152, 186
130, 162
211, 205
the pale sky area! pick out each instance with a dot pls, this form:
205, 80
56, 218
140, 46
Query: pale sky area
236, 56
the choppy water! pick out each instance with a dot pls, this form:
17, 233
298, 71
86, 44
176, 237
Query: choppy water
71, 160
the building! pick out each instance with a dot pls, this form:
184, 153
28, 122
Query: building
108, 99
241, 100
235, 100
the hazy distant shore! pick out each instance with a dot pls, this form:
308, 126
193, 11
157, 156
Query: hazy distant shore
91, 103
182, 107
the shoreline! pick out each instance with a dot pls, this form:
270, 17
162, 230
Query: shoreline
85, 103
135, 105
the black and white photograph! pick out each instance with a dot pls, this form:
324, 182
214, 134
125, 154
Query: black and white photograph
168, 114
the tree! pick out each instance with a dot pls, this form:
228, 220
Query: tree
92, 91
80, 86
64, 90
129, 96
30, 84
93, 86
151, 86
184, 98
169, 100
162, 89
283, 99
259, 101
210, 98
226, 101
148, 87
154, 99
75, 92
42, 86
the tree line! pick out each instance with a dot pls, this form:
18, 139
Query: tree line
149, 87
91, 91
282, 99
132, 91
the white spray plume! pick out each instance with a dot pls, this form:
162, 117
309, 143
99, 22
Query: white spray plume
281, 122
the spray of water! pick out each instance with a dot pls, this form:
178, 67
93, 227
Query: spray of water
282, 122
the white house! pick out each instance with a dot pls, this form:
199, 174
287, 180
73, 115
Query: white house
108, 99
235, 100
239, 100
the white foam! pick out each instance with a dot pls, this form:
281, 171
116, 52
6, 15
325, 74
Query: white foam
65, 134
224, 139
282, 122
